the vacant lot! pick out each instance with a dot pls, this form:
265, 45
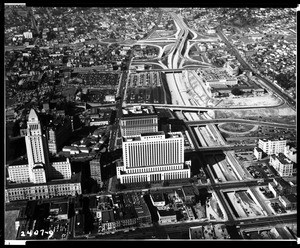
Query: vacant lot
258, 101
10, 231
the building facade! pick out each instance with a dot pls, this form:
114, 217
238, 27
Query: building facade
291, 153
36, 145
137, 120
38, 177
95, 169
60, 169
258, 152
151, 157
58, 132
31, 191
282, 164
18, 173
272, 146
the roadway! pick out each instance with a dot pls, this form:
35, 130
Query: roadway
115, 125
262, 123
200, 108
287, 98
220, 148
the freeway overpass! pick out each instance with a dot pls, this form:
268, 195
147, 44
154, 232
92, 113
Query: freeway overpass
164, 70
199, 108
215, 121
220, 148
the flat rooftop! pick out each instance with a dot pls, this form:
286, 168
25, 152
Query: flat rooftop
74, 179
161, 134
282, 158
137, 111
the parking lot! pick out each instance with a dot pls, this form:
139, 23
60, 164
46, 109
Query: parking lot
99, 80
258, 169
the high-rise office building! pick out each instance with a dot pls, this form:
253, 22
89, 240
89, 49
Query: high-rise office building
151, 157
272, 146
137, 120
95, 169
58, 131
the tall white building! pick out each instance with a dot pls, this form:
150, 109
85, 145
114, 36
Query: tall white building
272, 146
137, 120
291, 153
38, 172
282, 164
36, 145
151, 157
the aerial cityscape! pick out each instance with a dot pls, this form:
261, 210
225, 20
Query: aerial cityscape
150, 123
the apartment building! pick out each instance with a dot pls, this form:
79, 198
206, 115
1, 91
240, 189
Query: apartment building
282, 164
272, 146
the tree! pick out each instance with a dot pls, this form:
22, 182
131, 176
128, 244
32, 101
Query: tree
166, 183
236, 91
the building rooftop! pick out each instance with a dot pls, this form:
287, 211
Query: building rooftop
76, 178
33, 116
19, 162
57, 159
188, 190
258, 149
292, 198
125, 213
196, 232
108, 216
159, 135
169, 212
157, 197
153, 133
138, 111
282, 158
274, 139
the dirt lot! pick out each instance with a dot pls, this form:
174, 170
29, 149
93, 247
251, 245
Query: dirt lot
10, 231
249, 101
280, 111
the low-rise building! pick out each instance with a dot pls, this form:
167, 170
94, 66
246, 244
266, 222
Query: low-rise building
166, 216
289, 201
125, 217
158, 199
108, 223
53, 188
189, 193
258, 153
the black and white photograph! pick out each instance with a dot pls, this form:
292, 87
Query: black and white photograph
149, 123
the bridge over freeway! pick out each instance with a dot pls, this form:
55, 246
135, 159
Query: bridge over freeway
164, 70
198, 108
263, 123
219, 148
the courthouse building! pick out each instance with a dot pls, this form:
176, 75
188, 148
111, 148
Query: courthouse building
153, 157
137, 120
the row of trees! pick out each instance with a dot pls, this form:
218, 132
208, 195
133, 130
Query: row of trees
287, 80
